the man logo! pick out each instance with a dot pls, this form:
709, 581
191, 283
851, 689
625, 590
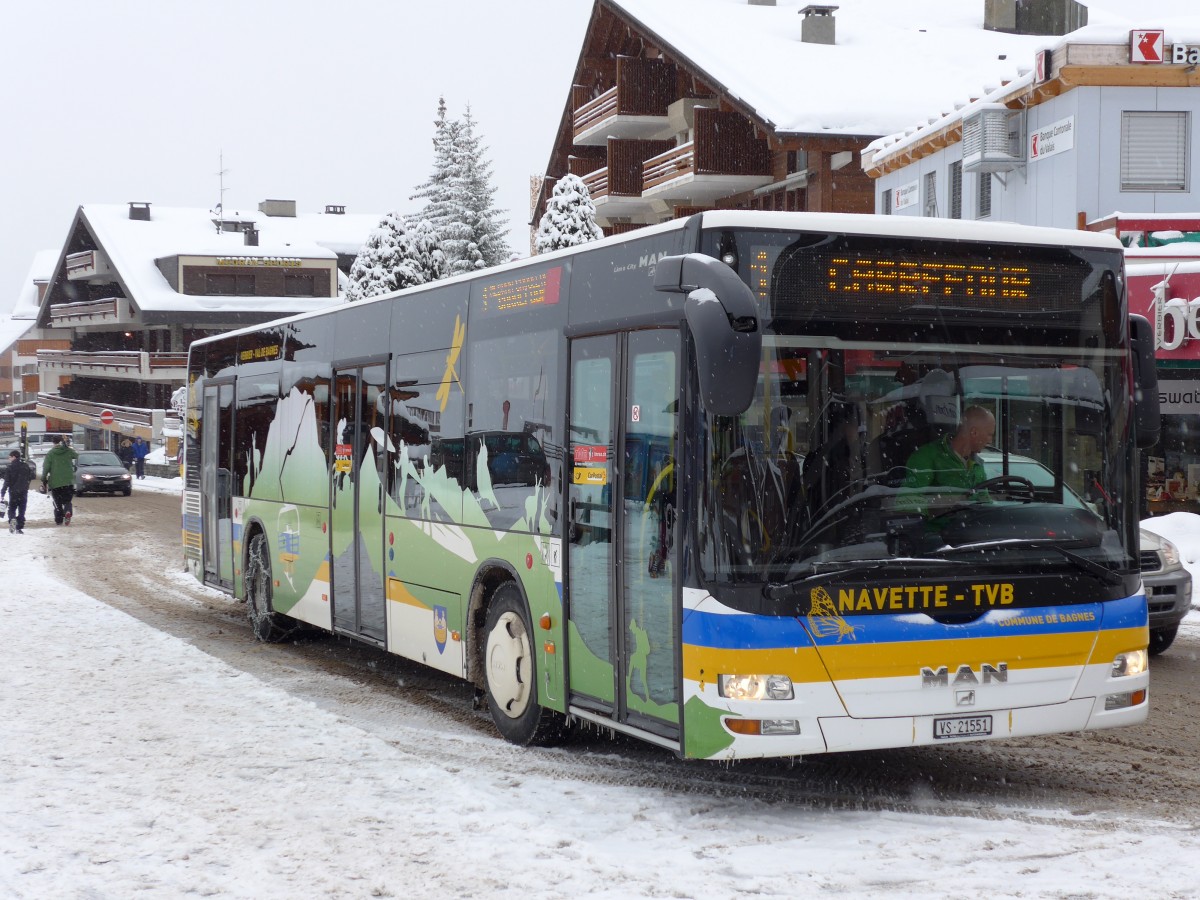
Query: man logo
964, 698
931, 678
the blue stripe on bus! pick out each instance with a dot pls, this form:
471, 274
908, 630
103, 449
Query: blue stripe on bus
763, 632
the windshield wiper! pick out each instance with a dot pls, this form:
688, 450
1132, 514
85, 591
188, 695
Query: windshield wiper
836, 568
1080, 562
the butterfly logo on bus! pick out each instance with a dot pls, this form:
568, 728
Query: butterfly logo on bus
439, 628
824, 620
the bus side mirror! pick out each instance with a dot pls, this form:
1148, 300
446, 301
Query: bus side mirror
1147, 418
722, 314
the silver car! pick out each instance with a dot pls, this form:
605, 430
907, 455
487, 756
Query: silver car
1168, 584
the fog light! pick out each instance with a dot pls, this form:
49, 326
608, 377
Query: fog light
1124, 701
762, 726
755, 687
1133, 662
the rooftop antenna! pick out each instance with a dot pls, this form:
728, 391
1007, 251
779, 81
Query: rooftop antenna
221, 184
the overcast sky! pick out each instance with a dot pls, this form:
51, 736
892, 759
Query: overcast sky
317, 102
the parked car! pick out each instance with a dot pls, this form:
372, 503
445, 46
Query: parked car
1168, 589
101, 471
1168, 584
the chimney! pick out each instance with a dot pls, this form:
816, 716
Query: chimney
250, 237
278, 208
818, 24
1034, 17
139, 211
332, 210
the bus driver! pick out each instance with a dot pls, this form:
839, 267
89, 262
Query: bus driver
952, 460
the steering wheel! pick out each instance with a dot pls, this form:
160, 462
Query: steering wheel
1014, 486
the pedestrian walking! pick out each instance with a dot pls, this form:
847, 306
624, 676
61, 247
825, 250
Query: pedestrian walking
140, 451
58, 474
16, 475
125, 453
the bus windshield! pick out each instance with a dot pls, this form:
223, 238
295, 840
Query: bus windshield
855, 453
826, 468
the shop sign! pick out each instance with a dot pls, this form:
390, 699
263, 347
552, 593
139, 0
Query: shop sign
1057, 137
1178, 398
907, 195
1175, 321
1150, 46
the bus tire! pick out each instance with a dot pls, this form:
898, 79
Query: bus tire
269, 626
510, 673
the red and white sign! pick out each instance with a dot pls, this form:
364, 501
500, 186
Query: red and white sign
1147, 46
588, 454
1041, 66
106, 417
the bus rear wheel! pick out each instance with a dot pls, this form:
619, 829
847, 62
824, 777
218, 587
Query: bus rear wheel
269, 626
510, 673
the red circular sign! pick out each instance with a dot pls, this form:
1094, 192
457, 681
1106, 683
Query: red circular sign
106, 417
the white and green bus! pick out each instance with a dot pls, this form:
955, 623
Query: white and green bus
659, 483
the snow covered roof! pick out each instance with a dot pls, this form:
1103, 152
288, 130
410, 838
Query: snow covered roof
23, 317
893, 66
1110, 22
134, 245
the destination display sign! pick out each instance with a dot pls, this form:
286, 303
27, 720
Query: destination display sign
524, 293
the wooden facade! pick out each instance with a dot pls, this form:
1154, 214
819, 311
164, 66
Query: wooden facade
654, 139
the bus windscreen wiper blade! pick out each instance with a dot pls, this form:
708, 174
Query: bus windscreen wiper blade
1080, 562
826, 569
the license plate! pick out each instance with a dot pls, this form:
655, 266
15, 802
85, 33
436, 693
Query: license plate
962, 726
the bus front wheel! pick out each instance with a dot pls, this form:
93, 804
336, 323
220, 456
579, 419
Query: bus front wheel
269, 626
510, 673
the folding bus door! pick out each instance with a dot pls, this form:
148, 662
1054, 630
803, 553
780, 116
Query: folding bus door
622, 572
358, 431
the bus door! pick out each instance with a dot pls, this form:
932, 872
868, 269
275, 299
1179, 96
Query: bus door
358, 432
216, 483
622, 571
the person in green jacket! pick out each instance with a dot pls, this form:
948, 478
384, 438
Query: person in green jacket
951, 461
58, 473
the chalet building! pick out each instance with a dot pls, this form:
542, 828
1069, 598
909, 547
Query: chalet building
20, 341
135, 284
682, 105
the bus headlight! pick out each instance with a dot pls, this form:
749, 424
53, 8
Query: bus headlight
755, 687
1132, 662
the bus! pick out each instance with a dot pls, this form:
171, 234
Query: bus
659, 483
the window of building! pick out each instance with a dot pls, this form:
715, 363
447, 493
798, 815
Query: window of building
887, 203
229, 284
1154, 151
299, 285
984, 206
956, 190
931, 194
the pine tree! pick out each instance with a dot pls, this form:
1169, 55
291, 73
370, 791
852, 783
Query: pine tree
396, 255
487, 226
458, 197
570, 217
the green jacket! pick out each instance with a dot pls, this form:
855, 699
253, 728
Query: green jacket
936, 465
58, 469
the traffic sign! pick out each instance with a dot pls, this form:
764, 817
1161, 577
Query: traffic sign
106, 417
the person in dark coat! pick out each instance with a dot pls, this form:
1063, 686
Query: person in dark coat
125, 453
17, 475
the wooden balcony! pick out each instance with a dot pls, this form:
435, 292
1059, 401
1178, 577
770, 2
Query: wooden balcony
92, 312
725, 158
634, 107
136, 365
127, 420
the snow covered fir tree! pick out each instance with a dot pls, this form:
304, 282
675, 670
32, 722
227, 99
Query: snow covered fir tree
570, 217
397, 255
459, 196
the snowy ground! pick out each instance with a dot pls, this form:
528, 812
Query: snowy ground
134, 765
